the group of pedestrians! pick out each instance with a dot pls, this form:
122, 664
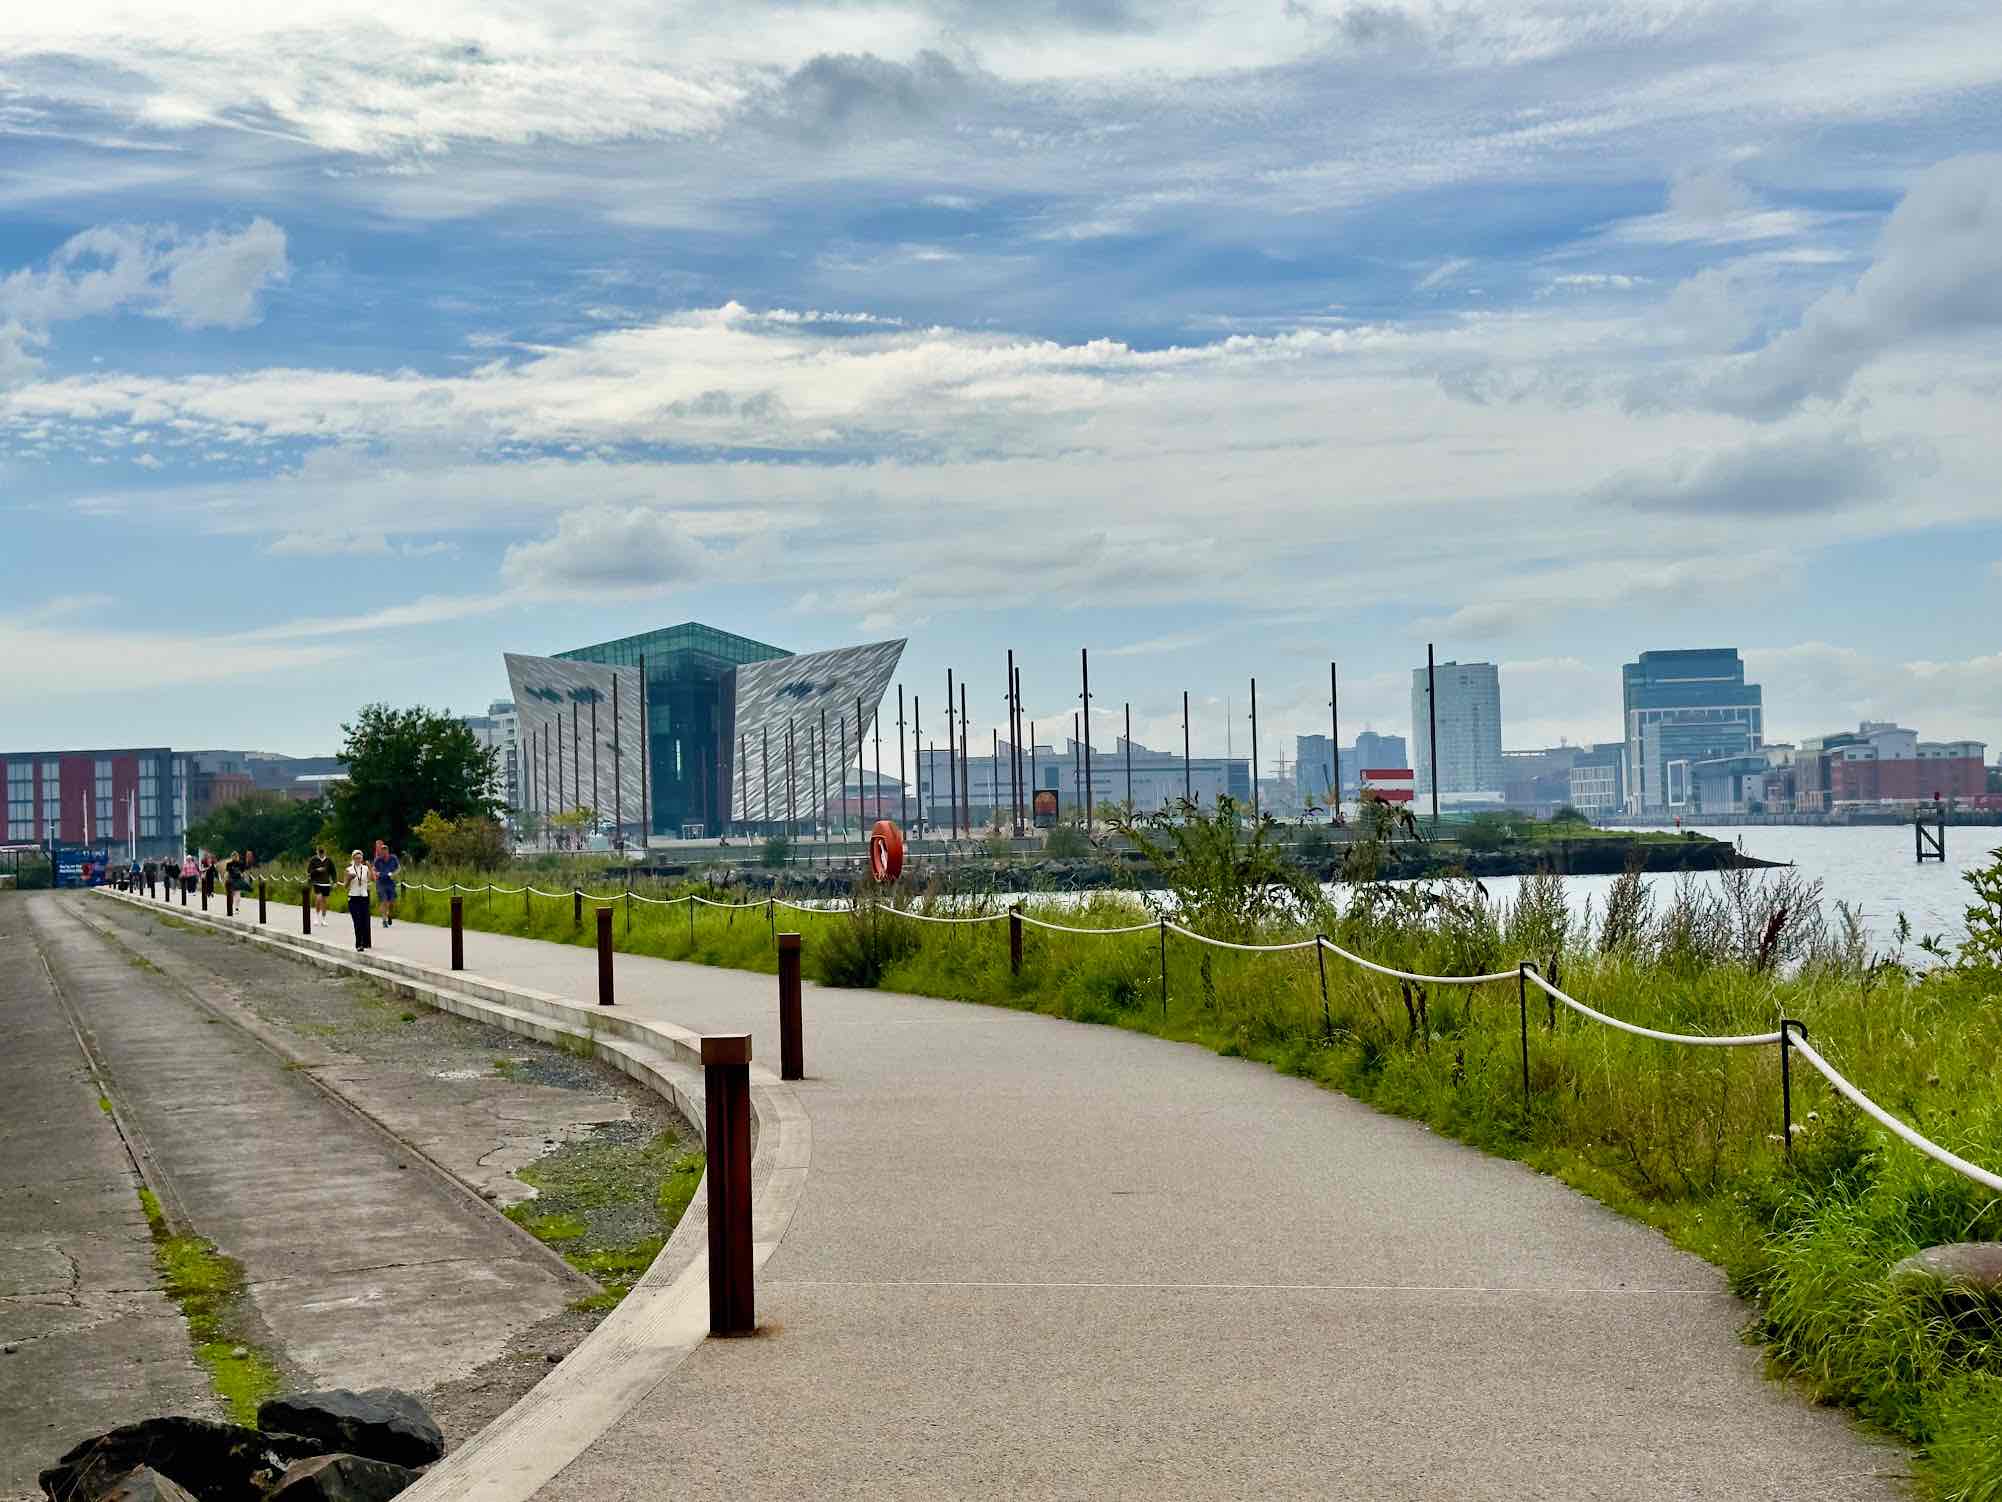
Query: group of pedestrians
194, 873
362, 874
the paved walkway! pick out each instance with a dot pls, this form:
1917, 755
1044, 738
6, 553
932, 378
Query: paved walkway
1039, 1259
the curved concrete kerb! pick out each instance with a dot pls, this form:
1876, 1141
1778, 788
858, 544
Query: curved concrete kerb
666, 1315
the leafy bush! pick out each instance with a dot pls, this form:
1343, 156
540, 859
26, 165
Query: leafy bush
1066, 842
775, 851
477, 842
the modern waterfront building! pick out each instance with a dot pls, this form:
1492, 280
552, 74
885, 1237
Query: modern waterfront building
1313, 767
689, 730
1539, 782
1880, 762
1469, 730
1682, 707
1598, 780
499, 730
97, 797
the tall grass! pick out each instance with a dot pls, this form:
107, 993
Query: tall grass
1688, 1139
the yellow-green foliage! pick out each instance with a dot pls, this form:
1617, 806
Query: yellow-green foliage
208, 1288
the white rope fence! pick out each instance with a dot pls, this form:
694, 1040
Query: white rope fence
1891, 1123
1748, 1040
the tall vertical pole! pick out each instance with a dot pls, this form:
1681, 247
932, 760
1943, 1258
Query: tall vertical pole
951, 762
646, 758
576, 763
876, 740
903, 771
965, 763
1335, 743
918, 758
744, 778
1023, 783
1129, 758
841, 776
820, 751
1014, 745
1188, 768
1254, 750
792, 828
1432, 732
618, 767
1084, 676
765, 768
594, 754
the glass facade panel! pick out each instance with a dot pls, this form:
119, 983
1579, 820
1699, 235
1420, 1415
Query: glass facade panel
20, 800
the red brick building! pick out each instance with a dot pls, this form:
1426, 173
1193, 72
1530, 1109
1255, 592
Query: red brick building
101, 797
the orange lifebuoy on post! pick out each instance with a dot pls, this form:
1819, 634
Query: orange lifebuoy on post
886, 851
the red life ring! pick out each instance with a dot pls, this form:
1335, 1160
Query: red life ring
886, 851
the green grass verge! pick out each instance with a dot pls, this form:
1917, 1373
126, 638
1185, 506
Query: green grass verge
208, 1288
608, 1203
1687, 1140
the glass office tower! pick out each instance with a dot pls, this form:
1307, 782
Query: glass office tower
1684, 707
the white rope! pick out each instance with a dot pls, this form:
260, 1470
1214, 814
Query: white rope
1065, 928
1891, 1123
1750, 1040
930, 918
706, 902
656, 901
1438, 980
1189, 933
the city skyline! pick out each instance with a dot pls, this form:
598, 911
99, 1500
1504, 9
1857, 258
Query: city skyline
338, 356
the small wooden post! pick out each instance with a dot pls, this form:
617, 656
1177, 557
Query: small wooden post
792, 1048
604, 956
726, 1069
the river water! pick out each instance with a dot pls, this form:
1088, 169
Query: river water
1869, 867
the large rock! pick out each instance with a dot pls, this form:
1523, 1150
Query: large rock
145, 1485
341, 1478
381, 1423
215, 1462
1965, 1271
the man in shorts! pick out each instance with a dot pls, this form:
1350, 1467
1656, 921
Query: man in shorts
386, 866
320, 876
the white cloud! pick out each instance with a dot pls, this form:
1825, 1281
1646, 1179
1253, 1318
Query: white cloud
1815, 687
1800, 475
600, 550
1936, 275
369, 615
81, 662
211, 280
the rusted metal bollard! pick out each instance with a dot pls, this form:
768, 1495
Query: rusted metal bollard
305, 907
726, 1072
1015, 941
263, 897
577, 906
228, 898
604, 956
182, 883
792, 1050
458, 933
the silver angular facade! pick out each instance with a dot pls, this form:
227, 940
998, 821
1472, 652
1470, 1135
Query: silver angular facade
821, 705
582, 738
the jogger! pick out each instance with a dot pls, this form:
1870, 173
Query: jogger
359, 875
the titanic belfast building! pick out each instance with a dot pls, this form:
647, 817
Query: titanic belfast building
695, 731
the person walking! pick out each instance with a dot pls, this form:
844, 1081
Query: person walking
189, 871
358, 877
386, 865
320, 876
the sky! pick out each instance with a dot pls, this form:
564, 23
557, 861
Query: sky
346, 346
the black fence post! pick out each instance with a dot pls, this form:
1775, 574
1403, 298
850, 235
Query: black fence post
305, 907
1015, 941
577, 906
604, 956
1787, 1024
458, 932
1163, 922
263, 911
1321, 959
792, 1047
726, 1069
1522, 1006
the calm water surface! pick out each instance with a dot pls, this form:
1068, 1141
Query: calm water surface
1869, 868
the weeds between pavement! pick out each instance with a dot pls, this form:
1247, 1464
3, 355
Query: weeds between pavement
208, 1288
1688, 1140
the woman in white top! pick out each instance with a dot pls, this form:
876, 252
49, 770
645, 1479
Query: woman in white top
359, 875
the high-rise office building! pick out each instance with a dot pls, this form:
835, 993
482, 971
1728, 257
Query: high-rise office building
1469, 729
499, 730
1683, 707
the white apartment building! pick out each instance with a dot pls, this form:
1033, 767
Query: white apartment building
1469, 725
499, 729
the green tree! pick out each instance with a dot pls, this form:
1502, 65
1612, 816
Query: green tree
271, 824
404, 763
1228, 874
477, 842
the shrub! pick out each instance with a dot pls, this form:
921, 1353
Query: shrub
1066, 842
